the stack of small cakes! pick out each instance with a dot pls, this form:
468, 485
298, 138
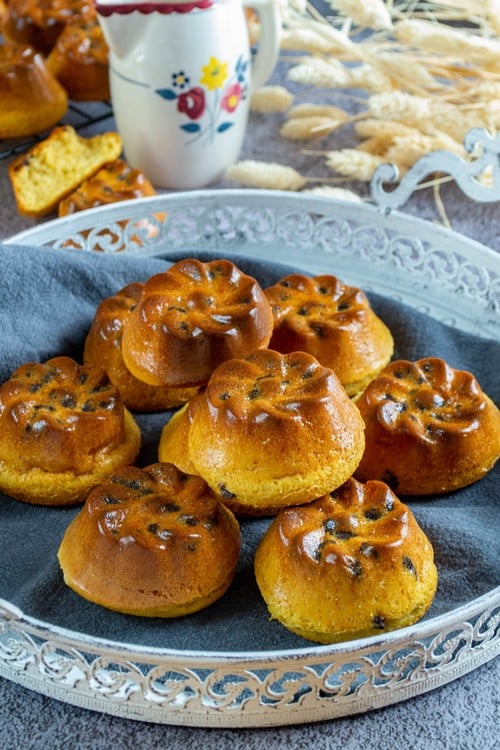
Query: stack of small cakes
277, 428
270, 430
287, 405
158, 542
68, 37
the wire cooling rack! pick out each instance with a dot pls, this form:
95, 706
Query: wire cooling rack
80, 115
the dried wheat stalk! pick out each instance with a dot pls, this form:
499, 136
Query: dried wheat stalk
422, 84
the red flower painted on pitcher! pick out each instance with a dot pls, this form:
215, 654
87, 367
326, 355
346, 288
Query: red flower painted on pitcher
232, 97
192, 103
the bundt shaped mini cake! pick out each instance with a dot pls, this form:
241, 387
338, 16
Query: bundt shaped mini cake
39, 22
80, 60
63, 428
31, 99
103, 349
273, 430
191, 318
153, 542
116, 181
333, 322
429, 428
173, 445
351, 564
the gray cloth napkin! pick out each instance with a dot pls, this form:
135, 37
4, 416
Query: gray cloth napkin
47, 301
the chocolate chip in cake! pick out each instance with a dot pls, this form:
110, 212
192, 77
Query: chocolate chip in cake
68, 401
354, 567
368, 550
318, 330
111, 500
169, 508
408, 565
373, 514
188, 519
254, 393
343, 534
131, 484
308, 374
225, 493
211, 521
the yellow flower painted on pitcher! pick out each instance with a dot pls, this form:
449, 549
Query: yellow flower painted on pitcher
214, 74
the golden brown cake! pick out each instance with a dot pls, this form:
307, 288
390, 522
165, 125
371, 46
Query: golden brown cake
333, 322
190, 319
352, 564
429, 428
173, 445
80, 60
273, 430
53, 168
39, 22
116, 181
63, 428
152, 542
31, 99
103, 349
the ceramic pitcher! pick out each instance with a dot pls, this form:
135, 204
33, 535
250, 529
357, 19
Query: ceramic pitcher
181, 74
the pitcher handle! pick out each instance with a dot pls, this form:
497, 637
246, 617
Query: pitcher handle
269, 42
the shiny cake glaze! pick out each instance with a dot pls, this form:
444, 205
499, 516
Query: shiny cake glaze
332, 321
151, 542
274, 429
193, 317
103, 348
39, 22
116, 181
57, 415
80, 60
267, 385
429, 427
351, 564
159, 508
32, 100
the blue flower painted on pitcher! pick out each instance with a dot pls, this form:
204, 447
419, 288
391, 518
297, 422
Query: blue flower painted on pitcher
180, 80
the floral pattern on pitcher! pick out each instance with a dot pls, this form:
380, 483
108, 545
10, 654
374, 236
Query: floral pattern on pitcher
208, 102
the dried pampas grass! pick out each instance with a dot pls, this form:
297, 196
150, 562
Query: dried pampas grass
267, 176
372, 14
271, 99
418, 77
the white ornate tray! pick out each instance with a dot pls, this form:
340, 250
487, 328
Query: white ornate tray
436, 271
